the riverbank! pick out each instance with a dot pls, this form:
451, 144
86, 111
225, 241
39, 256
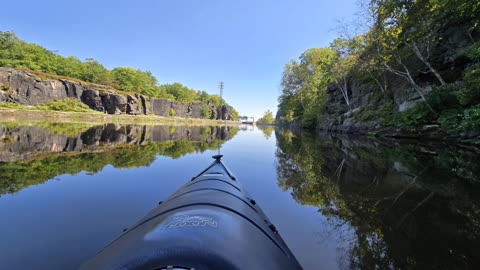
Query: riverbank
432, 131
29, 116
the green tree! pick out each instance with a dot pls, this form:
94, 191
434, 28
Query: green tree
180, 92
71, 67
205, 111
95, 72
134, 80
20, 54
266, 119
304, 85
235, 115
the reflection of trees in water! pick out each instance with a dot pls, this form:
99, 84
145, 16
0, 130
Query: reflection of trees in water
38, 154
267, 130
395, 205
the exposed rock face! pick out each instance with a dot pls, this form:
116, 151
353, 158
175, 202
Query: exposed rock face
160, 106
341, 118
114, 103
226, 112
132, 105
92, 99
144, 105
27, 88
195, 110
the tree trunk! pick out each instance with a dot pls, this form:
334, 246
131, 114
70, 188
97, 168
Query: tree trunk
344, 91
377, 81
420, 56
406, 75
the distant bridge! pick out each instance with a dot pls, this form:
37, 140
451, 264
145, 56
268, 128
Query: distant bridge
247, 120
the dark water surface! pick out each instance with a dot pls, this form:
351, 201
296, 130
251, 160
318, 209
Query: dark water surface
66, 191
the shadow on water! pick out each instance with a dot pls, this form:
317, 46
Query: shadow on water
31, 155
395, 204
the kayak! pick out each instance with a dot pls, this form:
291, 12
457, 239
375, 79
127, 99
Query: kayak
210, 223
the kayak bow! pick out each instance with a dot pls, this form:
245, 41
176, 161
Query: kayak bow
210, 223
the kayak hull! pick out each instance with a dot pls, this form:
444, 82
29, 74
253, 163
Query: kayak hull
209, 223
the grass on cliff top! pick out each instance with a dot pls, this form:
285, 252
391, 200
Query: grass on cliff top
64, 105
49, 76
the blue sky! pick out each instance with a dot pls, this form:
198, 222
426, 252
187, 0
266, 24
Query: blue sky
244, 43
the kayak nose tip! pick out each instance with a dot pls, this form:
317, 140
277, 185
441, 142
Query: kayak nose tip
217, 157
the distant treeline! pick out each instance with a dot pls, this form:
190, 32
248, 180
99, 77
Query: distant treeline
17, 53
266, 119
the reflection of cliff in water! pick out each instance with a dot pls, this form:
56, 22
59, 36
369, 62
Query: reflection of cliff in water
398, 204
32, 155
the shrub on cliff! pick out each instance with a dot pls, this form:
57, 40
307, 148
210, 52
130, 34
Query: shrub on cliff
471, 93
235, 115
205, 111
66, 105
445, 97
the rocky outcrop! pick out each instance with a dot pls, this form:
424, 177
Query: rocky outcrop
354, 120
341, 118
28, 88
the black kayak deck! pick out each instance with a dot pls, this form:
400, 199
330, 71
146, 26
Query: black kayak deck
209, 223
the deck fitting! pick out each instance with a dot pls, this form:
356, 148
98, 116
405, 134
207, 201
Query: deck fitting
272, 227
217, 157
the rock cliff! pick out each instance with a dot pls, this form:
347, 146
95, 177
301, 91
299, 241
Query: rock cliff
27, 88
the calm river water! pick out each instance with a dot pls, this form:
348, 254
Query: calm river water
67, 190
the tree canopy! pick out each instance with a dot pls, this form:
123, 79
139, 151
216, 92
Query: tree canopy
303, 86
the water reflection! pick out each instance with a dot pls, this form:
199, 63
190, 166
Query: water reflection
34, 154
397, 205
267, 130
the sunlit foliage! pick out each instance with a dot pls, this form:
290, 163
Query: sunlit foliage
266, 119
